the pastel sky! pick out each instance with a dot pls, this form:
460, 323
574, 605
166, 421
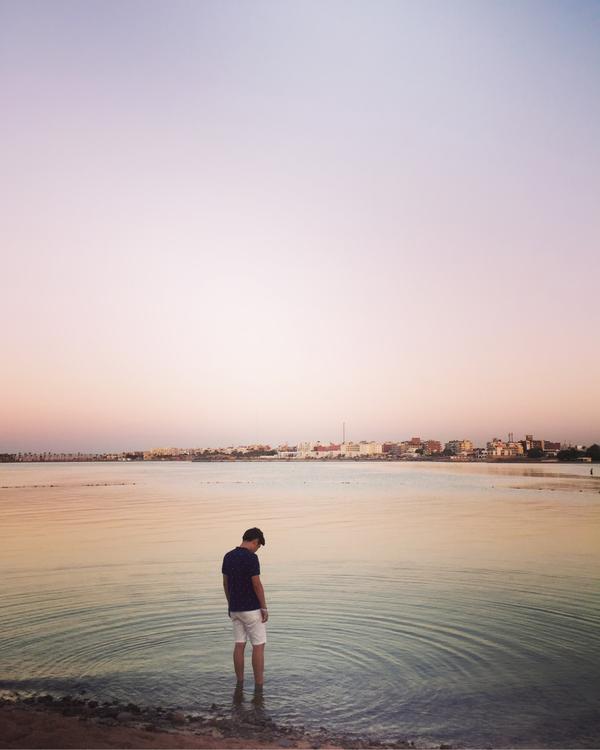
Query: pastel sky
229, 222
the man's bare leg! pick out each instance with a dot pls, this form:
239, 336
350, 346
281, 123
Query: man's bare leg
238, 661
258, 664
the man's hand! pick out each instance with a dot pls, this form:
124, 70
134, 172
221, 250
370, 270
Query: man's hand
265, 614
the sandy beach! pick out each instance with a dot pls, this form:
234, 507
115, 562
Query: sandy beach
73, 722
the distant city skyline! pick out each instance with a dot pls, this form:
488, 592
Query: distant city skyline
12, 446
247, 222
528, 448
509, 437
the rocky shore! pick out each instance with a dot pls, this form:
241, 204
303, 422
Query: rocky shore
46, 721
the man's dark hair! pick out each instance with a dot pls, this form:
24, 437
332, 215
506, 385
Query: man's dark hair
253, 534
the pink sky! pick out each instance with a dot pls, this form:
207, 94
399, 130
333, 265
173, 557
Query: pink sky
227, 222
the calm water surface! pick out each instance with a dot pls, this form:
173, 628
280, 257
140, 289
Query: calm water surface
433, 602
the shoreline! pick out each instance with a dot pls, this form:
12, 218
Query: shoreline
270, 459
47, 721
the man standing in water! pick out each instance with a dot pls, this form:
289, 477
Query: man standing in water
246, 604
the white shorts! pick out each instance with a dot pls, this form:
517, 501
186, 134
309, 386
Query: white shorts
249, 625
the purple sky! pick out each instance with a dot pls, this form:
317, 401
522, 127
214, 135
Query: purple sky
228, 222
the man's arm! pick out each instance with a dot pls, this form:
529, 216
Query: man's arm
260, 593
226, 589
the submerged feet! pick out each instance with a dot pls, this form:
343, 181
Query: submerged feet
258, 686
257, 701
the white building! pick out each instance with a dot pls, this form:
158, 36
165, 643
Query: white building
459, 447
370, 448
499, 449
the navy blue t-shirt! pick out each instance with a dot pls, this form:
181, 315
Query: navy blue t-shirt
239, 566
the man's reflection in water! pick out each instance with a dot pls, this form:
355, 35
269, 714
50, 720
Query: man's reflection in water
258, 699
252, 713
238, 697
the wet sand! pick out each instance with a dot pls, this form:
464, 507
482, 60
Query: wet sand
46, 722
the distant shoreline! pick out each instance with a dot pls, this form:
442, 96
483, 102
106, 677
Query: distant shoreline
270, 459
